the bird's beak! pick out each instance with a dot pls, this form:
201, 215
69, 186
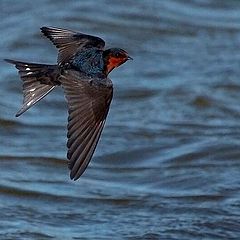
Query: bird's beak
129, 58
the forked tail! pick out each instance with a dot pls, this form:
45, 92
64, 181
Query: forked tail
38, 81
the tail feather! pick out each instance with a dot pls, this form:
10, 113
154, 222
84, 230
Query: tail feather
38, 81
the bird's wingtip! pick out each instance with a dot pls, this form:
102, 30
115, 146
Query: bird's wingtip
9, 60
72, 176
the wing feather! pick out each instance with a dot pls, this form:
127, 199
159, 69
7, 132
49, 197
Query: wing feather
70, 42
88, 105
88, 151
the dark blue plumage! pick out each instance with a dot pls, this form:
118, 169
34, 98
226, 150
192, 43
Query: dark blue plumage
90, 61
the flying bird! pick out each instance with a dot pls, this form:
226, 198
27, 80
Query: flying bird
82, 70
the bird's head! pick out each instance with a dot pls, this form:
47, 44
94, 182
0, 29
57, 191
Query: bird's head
114, 57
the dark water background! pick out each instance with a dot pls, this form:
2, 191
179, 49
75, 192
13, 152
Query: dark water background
168, 163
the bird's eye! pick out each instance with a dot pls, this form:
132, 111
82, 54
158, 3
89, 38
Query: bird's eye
117, 55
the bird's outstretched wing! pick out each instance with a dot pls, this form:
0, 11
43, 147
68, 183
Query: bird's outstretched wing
88, 104
70, 42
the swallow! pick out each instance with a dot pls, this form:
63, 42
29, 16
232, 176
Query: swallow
82, 71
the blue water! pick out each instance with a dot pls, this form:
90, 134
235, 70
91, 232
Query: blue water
168, 163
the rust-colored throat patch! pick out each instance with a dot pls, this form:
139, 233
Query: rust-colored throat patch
114, 62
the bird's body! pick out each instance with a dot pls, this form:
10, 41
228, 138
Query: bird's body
90, 62
82, 70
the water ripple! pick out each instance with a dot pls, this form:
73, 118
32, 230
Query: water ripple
167, 165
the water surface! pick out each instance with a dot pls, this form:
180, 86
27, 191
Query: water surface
167, 165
